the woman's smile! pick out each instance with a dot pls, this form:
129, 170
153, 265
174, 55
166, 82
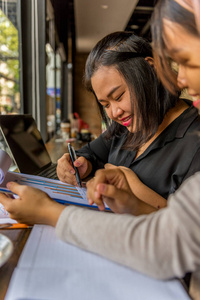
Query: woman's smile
126, 121
196, 102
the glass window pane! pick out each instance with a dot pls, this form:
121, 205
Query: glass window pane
50, 81
9, 58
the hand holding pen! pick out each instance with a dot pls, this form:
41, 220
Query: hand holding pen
73, 157
66, 170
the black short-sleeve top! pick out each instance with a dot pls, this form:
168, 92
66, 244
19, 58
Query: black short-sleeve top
171, 158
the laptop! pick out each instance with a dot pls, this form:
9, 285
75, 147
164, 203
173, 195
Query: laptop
21, 139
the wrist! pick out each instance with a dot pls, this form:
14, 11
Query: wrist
52, 213
144, 208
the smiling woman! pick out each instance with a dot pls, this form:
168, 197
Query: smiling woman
147, 127
130, 57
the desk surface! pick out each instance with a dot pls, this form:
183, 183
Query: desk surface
19, 238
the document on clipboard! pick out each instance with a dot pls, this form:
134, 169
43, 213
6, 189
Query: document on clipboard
63, 193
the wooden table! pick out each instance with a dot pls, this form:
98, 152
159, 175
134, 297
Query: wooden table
19, 238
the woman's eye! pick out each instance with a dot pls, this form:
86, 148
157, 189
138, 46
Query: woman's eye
106, 106
187, 64
118, 98
178, 61
183, 62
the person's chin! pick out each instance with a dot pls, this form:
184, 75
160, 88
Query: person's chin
130, 129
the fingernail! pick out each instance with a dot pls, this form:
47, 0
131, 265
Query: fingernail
96, 194
77, 163
90, 201
102, 188
72, 171
101, 207
8, 185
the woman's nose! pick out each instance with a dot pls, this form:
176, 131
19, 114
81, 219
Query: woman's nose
116, 111
181, 78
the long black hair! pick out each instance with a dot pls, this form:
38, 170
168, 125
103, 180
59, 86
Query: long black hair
127, 52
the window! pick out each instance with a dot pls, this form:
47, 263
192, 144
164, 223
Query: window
9, 58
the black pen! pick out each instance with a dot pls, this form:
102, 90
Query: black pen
73, 157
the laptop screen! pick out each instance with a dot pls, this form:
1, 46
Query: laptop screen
24, 142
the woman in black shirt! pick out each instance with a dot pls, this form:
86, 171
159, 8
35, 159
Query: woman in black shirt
149, 130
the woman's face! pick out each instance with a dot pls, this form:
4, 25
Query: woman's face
184, 48
113, 94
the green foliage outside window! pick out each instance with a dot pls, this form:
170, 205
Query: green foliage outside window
9, 61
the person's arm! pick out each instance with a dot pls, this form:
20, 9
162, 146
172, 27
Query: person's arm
140, 190
110, 186
164, 244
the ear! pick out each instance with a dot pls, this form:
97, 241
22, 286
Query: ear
150, 60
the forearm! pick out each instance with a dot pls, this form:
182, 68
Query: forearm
143, 192
51, 214
143, 208
125, 239
149, 196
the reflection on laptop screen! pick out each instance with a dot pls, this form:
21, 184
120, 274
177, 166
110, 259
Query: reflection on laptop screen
24, 142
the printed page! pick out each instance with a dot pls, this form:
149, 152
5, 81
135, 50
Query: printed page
4, 216
51, 269
61, 192
3, 213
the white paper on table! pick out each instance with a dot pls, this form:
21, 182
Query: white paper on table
50, 269
7, 220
